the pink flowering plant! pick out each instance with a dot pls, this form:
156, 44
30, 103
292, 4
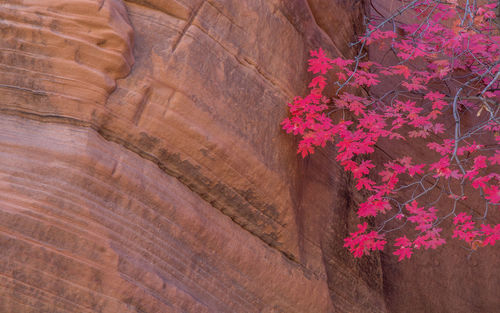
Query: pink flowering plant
445, 66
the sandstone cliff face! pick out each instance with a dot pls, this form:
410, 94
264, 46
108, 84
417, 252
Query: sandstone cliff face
142, 165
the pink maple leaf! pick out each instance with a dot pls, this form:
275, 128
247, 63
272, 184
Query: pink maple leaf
405, 250
319, 63
492, 193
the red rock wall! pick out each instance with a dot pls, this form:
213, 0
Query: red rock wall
143, 168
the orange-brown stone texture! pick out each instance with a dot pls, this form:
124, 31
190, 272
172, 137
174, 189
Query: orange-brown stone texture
143, 169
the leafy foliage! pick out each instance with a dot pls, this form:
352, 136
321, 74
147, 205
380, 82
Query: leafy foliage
447, 64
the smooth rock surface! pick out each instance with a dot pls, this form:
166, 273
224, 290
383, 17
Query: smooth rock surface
143, 168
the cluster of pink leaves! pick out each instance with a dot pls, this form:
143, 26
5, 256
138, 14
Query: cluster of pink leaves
446, 47
467, 231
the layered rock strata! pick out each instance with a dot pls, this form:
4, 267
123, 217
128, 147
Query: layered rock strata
143, 167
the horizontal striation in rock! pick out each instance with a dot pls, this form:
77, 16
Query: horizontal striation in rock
201, 106
76, 243
65, 53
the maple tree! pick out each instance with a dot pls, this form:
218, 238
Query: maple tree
445, 65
